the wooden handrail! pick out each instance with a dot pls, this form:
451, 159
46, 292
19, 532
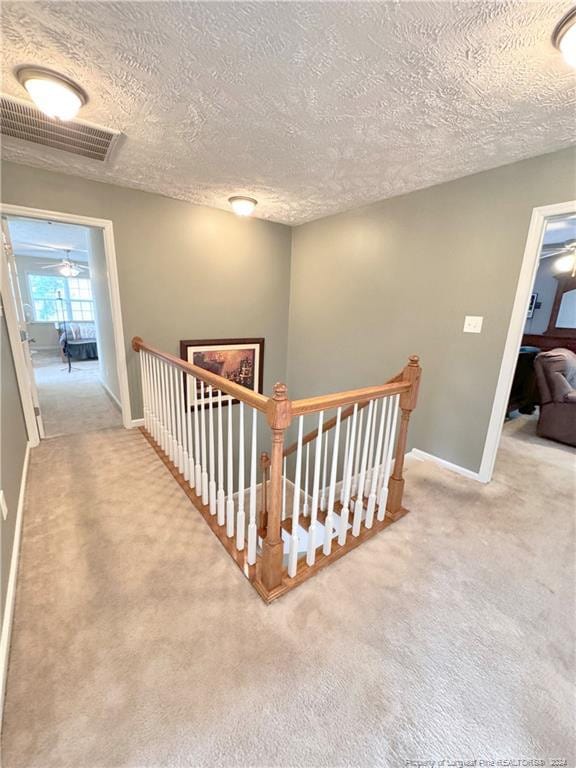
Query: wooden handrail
392, 387
350, 397
254, 399
326, 427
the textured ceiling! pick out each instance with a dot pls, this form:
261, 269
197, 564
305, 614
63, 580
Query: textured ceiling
313, 108
44, 239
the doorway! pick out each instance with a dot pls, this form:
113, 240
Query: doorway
541, 342
69, 321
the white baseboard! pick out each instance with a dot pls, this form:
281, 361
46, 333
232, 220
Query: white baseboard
39, 348
11, 591
136, 423
416, 453
111, 394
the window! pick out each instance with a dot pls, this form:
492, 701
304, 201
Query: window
57, 298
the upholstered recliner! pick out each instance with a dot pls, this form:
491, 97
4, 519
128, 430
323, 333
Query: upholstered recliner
556, 377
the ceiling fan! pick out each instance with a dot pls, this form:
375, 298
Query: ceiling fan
65, 266
567, 257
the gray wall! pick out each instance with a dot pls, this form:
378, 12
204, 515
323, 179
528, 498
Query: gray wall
372, 286
13, 440
545, 286
185, 271
369, 287
103, 312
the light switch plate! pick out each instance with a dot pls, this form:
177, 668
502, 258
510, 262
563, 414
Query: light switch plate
3, 505
473, 324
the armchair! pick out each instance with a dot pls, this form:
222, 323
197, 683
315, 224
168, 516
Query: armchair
556, 378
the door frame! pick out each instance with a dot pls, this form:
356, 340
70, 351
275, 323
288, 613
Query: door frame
530, 262
20, 366
113, 287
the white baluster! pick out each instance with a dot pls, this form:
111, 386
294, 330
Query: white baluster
144, 389
252, 528
311, 554
211, 454
284, 490
324, 475
197, 456
293, 554
345, 511
345, 467
183, 426
372, 428
305, 506
240, 515
161, 402
354, 485
178, 411
166, 396
359, 506
230, 476
376, 466
203, 409
329, 522
157, 412
173, 428
383, 496
221, 496
191, 477
150, 394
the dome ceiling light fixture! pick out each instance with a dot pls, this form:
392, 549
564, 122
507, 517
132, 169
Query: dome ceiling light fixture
564, 37
243, 206
54, 94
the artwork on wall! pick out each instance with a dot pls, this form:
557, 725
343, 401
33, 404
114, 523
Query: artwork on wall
238, 360
532, 305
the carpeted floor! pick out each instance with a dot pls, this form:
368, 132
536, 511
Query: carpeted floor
72, 402
138, 643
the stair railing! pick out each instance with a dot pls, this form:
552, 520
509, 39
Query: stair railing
317, 498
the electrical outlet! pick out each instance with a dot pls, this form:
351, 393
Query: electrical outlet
473, 324
3, 505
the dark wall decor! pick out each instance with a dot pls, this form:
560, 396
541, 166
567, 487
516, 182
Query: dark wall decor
238, 360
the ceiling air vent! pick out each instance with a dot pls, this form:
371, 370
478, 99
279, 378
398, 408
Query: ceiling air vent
21, 120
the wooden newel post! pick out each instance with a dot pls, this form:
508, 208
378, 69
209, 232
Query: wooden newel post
265, 467
279, 416
408, 399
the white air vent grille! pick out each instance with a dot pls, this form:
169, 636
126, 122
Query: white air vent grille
22, 121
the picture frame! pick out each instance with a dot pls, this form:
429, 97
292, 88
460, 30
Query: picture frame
238, 360
532, 305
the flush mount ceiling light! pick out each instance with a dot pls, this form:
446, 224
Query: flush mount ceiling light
54, 94
243, 206
565, 264
564, 37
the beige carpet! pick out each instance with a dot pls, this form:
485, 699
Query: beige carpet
72, 402
137, 642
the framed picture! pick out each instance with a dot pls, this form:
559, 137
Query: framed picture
532, 305
238, 360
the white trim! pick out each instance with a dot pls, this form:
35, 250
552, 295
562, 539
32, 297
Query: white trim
136, 423
419, 455
109, 249
37, 348
11, 590
18, 355
516, 330
109, 392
